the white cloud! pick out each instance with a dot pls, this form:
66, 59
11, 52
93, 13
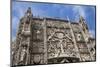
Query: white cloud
15, 23
38, 12
19, 10
79, 11
13, 38
92, 32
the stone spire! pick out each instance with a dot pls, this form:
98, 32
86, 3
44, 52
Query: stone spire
83, 22
81, 18
28, 13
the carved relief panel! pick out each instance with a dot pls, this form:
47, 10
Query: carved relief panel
82, 48
59, 42
85, 57
84, 53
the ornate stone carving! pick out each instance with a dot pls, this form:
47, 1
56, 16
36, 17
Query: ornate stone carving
50, 40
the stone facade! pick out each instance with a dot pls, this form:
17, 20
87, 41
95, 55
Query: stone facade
52, 40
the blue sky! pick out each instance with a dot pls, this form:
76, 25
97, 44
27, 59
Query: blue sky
55, 11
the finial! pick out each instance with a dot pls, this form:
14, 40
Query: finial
28, 13
29, 10
81, 18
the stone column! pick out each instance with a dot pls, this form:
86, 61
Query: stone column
84, 36
18, 52
28, 42
45, 42
74, 40
27, 57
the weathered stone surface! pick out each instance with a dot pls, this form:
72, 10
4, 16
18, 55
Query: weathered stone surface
50, 40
